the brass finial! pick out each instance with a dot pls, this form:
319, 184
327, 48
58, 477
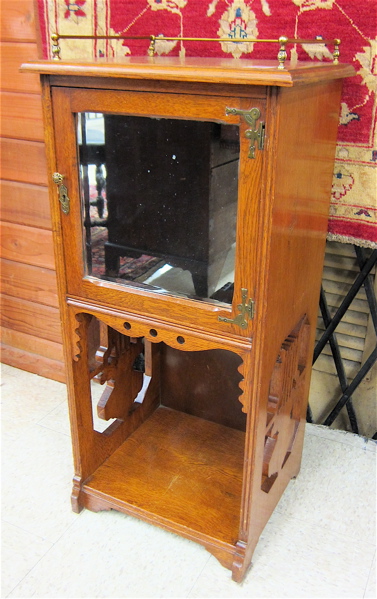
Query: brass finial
282, 54
336, 52
55, 46
152, 46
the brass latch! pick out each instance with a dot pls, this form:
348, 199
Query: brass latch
63, 192
246, 312
255, 135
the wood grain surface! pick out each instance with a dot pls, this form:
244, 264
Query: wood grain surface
27, 317
23, 161
13, 54
32, 344
173, 468
17, 21
21, 116
31, 362
203, 70
29, 282
27, 245
25, 204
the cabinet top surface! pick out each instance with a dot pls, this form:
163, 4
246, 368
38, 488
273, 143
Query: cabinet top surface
205, 70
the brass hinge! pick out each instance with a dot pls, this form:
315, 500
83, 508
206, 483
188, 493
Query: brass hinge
246, 309
63, 192
255, 135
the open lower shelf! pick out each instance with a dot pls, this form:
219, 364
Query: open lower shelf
180, 471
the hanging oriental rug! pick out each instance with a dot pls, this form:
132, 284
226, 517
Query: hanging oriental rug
353, 212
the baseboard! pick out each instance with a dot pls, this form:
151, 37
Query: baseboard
19, 358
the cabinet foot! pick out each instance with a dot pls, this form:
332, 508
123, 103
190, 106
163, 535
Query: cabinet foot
75, 496
241, 562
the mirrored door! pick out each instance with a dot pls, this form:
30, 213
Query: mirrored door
164, 204
159, 203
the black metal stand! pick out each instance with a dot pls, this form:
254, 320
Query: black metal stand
363, 278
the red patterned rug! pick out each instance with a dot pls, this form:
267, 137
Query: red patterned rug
353, 213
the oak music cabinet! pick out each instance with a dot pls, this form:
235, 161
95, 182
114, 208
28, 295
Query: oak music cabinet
189, 305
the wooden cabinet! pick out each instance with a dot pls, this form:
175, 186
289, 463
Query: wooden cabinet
189, 300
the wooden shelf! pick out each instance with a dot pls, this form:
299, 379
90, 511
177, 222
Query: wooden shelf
179, 471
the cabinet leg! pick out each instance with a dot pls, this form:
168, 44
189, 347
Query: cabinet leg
241, 562
75, 495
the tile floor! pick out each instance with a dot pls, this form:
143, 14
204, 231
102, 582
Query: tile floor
319, 542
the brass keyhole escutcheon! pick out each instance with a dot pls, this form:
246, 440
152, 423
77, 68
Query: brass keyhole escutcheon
63, 192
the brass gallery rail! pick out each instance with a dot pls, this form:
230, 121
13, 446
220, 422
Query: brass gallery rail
282, 41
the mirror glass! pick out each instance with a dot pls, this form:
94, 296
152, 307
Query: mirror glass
159, 203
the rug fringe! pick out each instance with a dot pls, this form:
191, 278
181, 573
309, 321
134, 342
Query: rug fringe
344, 239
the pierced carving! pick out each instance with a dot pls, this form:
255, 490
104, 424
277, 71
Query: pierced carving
241, 385
284, 408
169, 337
80, 334
116, 369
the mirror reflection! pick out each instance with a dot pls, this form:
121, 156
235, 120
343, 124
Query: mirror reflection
159, 201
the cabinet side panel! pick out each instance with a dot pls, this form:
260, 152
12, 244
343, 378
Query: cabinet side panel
293, 232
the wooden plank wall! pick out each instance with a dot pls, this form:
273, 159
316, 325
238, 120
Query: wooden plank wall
30, 323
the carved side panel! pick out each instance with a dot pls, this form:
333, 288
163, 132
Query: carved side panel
116, 370
285, 402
